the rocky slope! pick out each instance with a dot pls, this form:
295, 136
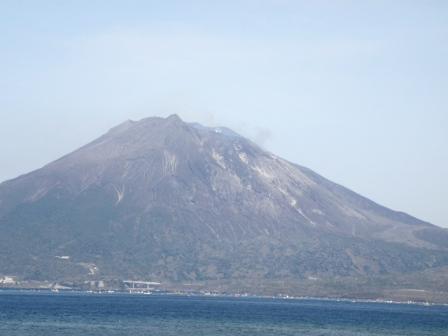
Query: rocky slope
166, 200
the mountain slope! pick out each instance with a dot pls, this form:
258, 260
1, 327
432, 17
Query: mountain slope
173, 201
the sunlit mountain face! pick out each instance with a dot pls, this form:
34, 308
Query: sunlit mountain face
172, 201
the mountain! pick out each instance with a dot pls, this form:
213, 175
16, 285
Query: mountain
179, 202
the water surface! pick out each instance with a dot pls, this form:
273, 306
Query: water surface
47, 314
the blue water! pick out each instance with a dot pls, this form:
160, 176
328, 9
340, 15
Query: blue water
119, 314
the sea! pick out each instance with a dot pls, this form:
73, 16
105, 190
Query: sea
75, 314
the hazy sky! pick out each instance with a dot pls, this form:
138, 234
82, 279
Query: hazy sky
355, 90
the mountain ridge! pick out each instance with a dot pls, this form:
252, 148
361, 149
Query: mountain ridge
173, 201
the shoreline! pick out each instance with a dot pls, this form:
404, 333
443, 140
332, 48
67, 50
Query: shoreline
218, 295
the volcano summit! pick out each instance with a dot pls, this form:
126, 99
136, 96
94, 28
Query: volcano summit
178, 202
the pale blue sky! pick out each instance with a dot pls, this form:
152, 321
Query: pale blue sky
356, 90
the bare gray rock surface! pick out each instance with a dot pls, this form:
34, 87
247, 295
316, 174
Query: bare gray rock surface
168, 200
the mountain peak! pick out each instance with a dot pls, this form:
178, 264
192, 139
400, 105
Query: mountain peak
124, 126
170, 118
179, 201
